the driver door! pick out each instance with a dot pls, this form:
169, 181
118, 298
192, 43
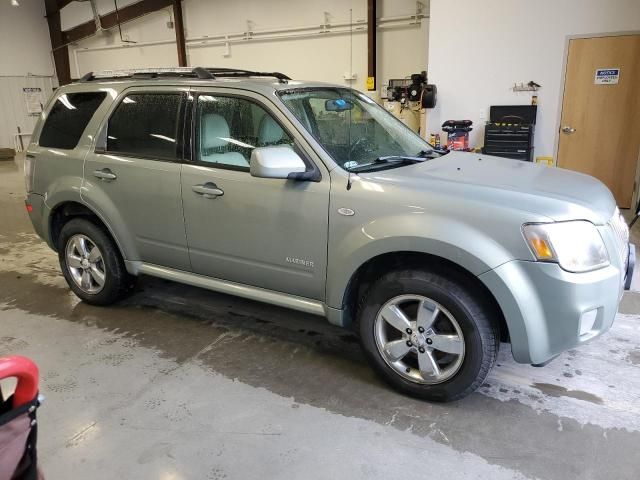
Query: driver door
264, 232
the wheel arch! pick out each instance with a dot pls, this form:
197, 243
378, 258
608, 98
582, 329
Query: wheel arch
64, 211
373, 268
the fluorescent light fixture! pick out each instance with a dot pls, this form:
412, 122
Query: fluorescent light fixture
14, 3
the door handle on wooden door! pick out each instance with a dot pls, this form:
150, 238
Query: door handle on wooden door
568, 130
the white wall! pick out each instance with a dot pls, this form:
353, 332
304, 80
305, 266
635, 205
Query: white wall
476, 54
25, 61
401, 51
24, 39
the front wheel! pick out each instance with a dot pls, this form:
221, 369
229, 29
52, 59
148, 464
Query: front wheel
427, 334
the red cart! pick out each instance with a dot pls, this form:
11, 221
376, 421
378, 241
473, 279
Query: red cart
18, 427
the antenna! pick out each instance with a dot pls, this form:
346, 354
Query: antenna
350, 74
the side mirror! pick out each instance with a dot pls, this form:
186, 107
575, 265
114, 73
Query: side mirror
275, 162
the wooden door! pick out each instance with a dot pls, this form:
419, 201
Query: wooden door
600, 126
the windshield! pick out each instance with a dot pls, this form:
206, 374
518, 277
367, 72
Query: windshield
353, 129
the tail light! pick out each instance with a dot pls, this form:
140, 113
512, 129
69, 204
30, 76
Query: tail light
29, 170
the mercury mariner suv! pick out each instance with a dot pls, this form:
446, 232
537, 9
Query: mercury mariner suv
312, 197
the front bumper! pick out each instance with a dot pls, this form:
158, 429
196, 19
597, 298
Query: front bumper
549, 310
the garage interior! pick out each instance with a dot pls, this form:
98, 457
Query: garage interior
177, 382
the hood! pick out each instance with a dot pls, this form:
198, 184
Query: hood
547, 191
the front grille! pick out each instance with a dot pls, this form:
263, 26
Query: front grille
621, 233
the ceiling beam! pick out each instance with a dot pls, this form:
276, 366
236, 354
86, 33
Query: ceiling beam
371, 45
59, 49
64, 3
111, 19
179, 28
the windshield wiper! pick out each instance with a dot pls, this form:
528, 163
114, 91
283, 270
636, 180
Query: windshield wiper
390, 159
433, 153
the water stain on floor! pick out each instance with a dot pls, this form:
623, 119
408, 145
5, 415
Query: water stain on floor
559, 391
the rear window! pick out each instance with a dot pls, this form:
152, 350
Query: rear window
146, 125
68, 118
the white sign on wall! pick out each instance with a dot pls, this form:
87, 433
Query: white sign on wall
607, 76
34, 100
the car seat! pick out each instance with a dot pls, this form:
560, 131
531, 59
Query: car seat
214, 137
270, 133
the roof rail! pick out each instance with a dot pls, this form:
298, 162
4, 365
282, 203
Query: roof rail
238, 72
201, 73
142, 73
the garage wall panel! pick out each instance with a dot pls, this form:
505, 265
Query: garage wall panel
25, 57
401, 50
500, 42
24, 39
14, 108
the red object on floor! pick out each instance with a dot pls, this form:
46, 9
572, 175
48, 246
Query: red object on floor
27, 374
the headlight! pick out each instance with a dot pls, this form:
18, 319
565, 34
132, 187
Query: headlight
577, 246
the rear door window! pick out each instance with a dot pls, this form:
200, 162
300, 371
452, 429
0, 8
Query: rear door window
146, 125
68, 118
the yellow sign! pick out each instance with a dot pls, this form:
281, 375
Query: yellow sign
545, 161
371, 83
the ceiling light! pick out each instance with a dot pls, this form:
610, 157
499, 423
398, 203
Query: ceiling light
14, 3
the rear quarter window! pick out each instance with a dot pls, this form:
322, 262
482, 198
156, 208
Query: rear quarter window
68, 118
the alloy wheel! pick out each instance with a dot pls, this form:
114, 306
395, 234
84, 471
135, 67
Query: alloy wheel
419, 339
85, 264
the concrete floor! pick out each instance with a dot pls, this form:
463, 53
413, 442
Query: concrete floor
181, 383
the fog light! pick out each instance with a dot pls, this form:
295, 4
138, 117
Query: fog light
587, 321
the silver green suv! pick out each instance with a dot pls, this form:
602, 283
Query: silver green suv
311, 196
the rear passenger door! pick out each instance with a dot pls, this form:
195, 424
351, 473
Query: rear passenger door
133, 176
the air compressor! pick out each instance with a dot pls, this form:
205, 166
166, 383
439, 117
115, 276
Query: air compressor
408, 97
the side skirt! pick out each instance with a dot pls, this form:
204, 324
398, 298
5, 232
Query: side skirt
302, 304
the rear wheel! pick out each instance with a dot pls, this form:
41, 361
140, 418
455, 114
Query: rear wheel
427, 334
91, 263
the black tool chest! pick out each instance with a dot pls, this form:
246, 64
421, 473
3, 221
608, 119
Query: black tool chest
509, 132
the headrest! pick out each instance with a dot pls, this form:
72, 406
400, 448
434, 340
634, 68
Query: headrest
269, 131
214, 130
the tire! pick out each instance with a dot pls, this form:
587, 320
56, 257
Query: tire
116, 282
471, 347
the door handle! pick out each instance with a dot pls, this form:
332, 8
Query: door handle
208, 190
105, 174
568, 130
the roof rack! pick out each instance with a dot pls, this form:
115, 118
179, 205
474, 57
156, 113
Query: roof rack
201, 73
238, 72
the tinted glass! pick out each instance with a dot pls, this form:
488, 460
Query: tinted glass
68, 118
228, 129
146, 125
